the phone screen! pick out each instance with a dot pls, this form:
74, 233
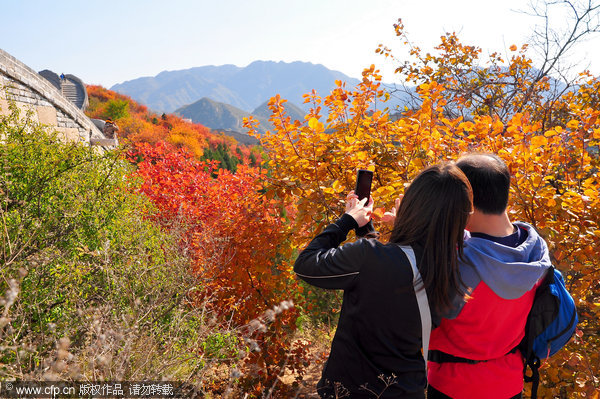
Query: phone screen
364, 178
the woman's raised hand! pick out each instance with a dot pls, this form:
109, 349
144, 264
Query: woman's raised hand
359, 210
390, 217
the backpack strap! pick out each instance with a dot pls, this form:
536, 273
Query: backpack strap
534, 364
422, 300
533, 328
438, 356
443, 357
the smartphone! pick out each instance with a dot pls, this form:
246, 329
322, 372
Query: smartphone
364, 178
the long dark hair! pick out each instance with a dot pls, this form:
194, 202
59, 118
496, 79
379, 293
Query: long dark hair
433, 214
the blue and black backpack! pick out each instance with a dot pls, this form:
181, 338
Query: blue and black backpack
550, 325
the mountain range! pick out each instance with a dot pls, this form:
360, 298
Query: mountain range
245, 88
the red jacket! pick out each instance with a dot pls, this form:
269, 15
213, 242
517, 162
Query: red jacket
492, 322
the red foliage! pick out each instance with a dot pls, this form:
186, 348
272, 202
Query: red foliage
235, 238
233, 232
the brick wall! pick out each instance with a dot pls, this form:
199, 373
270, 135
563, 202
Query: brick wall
31, 92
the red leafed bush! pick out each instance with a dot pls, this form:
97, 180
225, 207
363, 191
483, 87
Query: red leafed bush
237, 241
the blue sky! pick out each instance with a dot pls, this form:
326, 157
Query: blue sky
107, 42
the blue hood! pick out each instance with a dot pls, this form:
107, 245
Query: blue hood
509, 272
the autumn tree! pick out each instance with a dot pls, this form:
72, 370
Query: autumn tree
531, 78
553, 161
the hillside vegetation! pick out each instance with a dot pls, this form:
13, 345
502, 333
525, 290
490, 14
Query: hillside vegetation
91, 288
139, 125
140, 264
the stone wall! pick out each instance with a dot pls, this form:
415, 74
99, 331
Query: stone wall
30, 91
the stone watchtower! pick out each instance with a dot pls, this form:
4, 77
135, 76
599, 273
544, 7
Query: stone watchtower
58, 102
71, 87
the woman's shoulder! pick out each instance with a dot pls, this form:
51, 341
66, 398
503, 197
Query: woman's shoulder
376, 244
384, 261
386, 251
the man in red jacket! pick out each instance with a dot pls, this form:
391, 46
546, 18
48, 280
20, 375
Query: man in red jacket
472, 354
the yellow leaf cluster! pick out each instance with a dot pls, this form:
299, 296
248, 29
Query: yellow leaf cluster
554, 164
555, 183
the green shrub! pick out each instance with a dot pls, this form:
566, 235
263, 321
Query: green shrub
84, 271
221, 345
117, 109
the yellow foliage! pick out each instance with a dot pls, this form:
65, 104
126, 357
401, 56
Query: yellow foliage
538, 141
555, 183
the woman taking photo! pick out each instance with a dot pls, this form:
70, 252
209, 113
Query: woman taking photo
376, 350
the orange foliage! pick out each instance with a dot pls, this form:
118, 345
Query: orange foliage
550, 146
138, 125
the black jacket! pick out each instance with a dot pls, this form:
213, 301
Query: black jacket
379, 330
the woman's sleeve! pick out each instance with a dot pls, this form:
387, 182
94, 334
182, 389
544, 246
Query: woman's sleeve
323, 264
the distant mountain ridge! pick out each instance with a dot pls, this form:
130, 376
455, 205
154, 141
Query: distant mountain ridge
245, 88
217, 115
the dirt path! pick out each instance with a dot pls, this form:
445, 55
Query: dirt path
307, 386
